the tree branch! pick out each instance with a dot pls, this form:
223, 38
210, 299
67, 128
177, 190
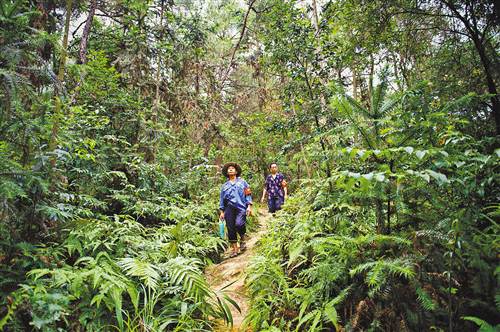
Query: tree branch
245, 21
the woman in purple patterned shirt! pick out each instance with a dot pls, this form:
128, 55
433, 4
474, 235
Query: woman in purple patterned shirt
276, 189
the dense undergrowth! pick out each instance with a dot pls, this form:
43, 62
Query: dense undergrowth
401, 237
323, 266
93, 264
383, 115
112, 227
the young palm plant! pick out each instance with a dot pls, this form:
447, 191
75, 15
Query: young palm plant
374, 124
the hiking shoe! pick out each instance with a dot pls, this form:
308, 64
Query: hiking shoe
243, 246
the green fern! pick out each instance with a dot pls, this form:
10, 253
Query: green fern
483, 325
185, 272
148, 273
425, 300
380, 272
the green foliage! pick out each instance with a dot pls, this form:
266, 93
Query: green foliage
103, 283
382, 114
483, 325
372, 236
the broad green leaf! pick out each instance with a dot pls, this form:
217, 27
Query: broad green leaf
420, 153
368, 176
439, 177
331, 314
409, 149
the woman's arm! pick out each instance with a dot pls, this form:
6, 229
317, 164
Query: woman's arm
264, 192
284, 185
221, 203
248, 198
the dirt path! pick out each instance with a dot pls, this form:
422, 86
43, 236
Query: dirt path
233, 270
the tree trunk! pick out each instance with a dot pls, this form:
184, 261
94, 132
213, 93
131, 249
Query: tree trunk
158, 69
379, 214
60, 77
316, 16
322, 100
492, 88
354, 84
151, 150
86, 30
304, 159
475, 35
316, 121
370, 81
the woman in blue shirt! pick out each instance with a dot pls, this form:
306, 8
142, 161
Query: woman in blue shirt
235, 205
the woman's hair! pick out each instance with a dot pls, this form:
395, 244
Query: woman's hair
273, 163
231, 164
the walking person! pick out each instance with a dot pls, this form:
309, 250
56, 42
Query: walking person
235, 205
276, 189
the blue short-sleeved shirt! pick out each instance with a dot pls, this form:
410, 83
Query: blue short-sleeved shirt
236, 194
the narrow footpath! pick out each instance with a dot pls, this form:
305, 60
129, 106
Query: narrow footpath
232, 271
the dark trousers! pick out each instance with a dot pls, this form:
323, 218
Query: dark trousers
235, 222
274, 203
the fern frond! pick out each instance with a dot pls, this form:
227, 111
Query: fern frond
484, 326
425, 300
147, 272
382, 239
433, 235
379, 94
186, 273
379, 272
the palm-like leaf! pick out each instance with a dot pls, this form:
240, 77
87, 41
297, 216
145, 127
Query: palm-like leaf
368, 120
185, 272
379, 272
147, 272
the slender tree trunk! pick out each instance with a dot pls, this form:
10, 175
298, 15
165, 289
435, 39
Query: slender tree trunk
490, 82
379, 214
197, 75
152, 132
450, 294
158, 69
390, 201
322, 101
370, 80
316, 121
304, 159
60, 76
396, 72
475, 35
354, 83
316, 16
233, 54
86, 30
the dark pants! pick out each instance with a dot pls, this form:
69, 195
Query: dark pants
274, 203
235, 222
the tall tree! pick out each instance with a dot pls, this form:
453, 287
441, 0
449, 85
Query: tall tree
86, 30
60, 76
480, 24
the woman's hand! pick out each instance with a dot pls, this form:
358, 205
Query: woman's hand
221, 215
262, 199
249, 210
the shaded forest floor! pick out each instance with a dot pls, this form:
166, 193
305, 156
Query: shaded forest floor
229, 276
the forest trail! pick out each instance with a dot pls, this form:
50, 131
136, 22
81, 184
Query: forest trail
232, 272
